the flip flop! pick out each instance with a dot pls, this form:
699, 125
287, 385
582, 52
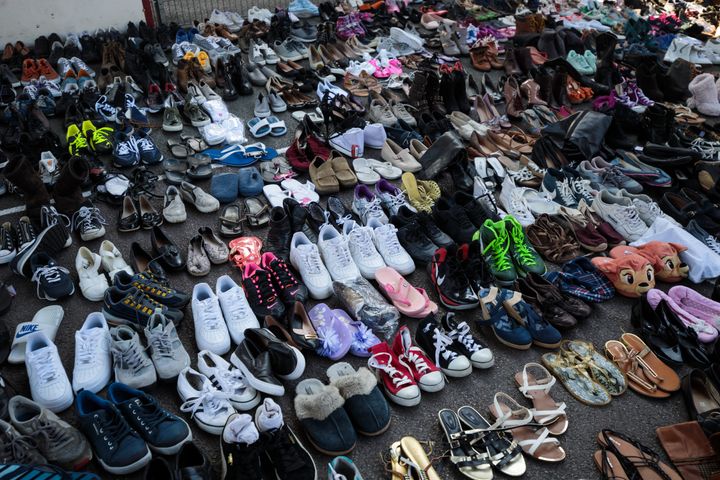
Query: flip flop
404, 296
259, 127
241, 156
277, 126
578, 384
231, 221
302, 192
175, 170
602, 370
46, 320
178, 150
275, 195
257, 211
365, 174
197, 144
316, 117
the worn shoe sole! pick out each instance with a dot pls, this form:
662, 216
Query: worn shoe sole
51, 240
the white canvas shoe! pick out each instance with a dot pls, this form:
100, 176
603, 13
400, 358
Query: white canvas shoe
93, 362
228, 380
209, 406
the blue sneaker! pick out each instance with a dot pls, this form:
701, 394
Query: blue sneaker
181, 36
125, 152
148, 151
119, 449
44, 472
164, 432
505, 327
543, 334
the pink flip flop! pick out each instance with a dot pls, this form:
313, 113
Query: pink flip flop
406, 298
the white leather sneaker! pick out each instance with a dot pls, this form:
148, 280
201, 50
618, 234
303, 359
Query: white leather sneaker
336, 255
93, 363
305, 258
388, 245
92, 283
49, 384
235, 308
211, 332
363, 251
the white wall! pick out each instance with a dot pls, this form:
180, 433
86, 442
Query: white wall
26, 20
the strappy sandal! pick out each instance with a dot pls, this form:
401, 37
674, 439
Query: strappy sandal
245, 250
535, 382
231, 220
505, 454
575, 380
684, 114
177, 149
517, 420
601, 370
468, 461
636, 377
646, 464
257, 211
417, 457
655, 369
609, 465
552, 241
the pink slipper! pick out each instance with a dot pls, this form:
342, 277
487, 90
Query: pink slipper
706, 333
406, 298
696, 304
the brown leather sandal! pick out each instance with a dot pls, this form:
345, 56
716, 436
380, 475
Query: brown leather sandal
637, 380
655, 369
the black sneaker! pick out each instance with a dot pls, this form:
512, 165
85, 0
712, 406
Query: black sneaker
289, 288
441, 348
437, 236
164, 432
297, 213
279, 234
240, 459
193, 464
89, 222
25, 233
132, 307
262, 296
450, 282
473, 208
414, 239
8, 251
53, 282
119, 449
50, 240
452, 219
466, 343
167, 296
471, 258
50, 216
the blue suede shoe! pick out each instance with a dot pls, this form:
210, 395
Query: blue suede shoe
250, 182
224, 187
319, 408
364, 402
543, 334
505, 327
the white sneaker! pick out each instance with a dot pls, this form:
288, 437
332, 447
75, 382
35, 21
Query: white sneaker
166, 350
131, 363
648, 210
621, 213
92, 283
220, 17
235, 308
112, 259
388, 245
93, 363
49, 384
363, 251
305, 258
211, 332
228, 380
350, 143
208, 405
334, 251
512, 199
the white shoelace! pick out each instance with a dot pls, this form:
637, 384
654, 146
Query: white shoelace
231, 381
712, 244
210, 315
128, 146
86, 347
131, 358
524, 174
566, 193
398, 378
394, 202
413, 354
87, 218
387, 236
465, 337
582, 188
442, 341
48, 274
630, 215
211, 401
46, 367
339, 251
361, 236
237, 305
371, 209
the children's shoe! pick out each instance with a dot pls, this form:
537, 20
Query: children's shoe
428, 375
394, 375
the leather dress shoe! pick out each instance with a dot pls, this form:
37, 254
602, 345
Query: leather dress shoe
547, 302
297, 329
683, 210
192, 464
707, 207
166, 250
708, 175
129, 219
657, 334
143, 262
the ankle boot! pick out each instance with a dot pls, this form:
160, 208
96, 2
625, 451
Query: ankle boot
24, 177
68, 188
647, 74
548, 43
510, 65
416, 96
432, 93
461, 97
606, 43
524, 60
558, 98
447, 92
704, 95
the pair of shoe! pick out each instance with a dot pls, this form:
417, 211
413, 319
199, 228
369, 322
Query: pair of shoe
204, 249
558, 308
458, 274
329, 175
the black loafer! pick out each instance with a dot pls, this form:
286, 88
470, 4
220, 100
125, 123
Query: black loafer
165, 250
700, 394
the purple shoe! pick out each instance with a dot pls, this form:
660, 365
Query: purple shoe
705, 331
391, 197
696, 304
335, 337
363, 338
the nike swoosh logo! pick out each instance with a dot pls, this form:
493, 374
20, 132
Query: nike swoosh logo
440, 280
27, 331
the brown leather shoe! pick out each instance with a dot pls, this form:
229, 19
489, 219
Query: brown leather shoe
479, 59
323, 176
572, 305
183, 75
547, 301
198, 73
552, 241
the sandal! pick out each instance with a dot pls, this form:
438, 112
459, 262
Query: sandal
200, 167
636, 377
467, 460
516, 419
645, 462
257, 211
178, 150
601, 370
175, 171
231, 221
277, 126
245, 250
546, 411
611, 468
575, 380
655, 369
197, 144
416, 455
408, 299
259, 127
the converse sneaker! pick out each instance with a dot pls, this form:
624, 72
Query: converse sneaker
131, 363
50, 216
93, 363
336, 255
360, 241
88, 220
388, 245
440, 347
211, 332
49, 383
394, 376
57, 441
52, 282
25, 233
209, 406
428, 376
7, 245
229, 380
235, 308
466, 343
241, 449
305, 258
166, 350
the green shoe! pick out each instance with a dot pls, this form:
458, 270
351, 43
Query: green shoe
495, 247
523, 254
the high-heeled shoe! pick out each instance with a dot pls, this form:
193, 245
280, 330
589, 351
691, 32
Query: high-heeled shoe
487, 113
531, 90
514, 104
490, 88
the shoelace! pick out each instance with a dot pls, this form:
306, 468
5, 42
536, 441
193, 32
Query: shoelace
7, 243
19, 447
582, 188
394, 202
362, 237
397, 377
518, 206
47, 369
127, 146
311, 259
87, 218
498, 250
566, 194
652, 208
49, 275
265, 292
231, 381
145, 144
463, 335
237, 307
441, 342
339, 252
387, 236
210, 315
712, 244
79, 142
373, 208
520, 246
414, 356
523, 175
161, 343
86, 344
131, 358
54, 433
210, 400
630, 215
282, 274
102, 135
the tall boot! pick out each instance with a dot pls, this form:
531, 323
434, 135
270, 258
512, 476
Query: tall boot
543, 78
523, 60
447, 92
510, 64
416, 95
24, 177
460, 92
559, 89
656, 124
605, 43
68, 188
432, 93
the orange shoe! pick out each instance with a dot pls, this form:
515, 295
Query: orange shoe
47, 71
30, 71
244, 250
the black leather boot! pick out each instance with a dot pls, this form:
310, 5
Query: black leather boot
543, 77
461, 97
67, 191
656, 124
647, 73
558, 98
510, 64
417, 95
605, 43
523, 60
447, 92
433, 95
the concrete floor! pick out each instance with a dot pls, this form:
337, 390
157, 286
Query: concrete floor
630, 413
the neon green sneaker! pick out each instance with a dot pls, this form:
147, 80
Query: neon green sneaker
495, 247
526, 258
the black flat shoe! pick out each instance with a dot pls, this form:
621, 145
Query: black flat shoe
129, 220
149, 217
693, 352
166, 251
143, 262
655, 333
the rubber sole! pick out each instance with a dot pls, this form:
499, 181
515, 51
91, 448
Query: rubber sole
127, 469
256, 383
173, 449
51, 240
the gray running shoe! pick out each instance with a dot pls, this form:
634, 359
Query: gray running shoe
132, 365
166, 349
18, 448
285, 50
262, 106
57, 441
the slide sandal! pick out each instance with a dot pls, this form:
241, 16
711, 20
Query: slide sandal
469, 462
241, 156
404, 296
277, 126
302, 192
259, 127
316, 117
364, 172
178, 149
275, 195
46, 320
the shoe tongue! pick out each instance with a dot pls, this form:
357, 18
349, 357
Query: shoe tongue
269, 417
241, 430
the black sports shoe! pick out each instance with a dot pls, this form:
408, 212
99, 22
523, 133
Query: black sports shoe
53, 282
466, 343
473, 208
7, 244
279, 234
450, 282
437, 236
441, 348
289, 288
283, 448
132, 307
50, 216
413, 238
167, 296
50, 240
297, 213
241, 459
25, 233
452, 219
471, 258
262, 296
